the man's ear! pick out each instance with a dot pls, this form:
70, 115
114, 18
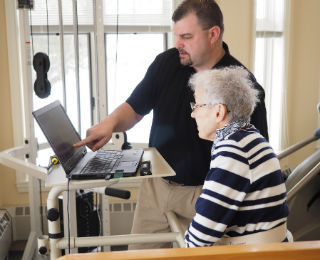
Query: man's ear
214, 33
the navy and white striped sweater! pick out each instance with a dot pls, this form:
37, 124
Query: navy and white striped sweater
244, 190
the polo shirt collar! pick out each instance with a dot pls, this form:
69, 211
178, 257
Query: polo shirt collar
224, 60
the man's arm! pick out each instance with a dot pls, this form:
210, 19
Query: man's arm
259, 118
259, 115
121, 119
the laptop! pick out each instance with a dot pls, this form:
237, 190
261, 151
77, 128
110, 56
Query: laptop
77, 162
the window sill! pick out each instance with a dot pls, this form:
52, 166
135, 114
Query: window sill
24, 187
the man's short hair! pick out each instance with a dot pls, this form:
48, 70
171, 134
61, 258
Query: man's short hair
207, 11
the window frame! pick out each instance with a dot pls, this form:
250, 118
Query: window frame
21, 107
268, 33
164, 35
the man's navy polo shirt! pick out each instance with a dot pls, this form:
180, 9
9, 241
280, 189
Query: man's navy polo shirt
164, 89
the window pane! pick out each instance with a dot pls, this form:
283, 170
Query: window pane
259, 59
39, 13
270, 15
40, 43
269, 63
84, 82
137, 12
269, 70
128, 59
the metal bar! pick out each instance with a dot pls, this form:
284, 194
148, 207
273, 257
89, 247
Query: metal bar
54, 226
30, 246
100, 60
76, 56
57, 244
70, 215
105, 213
296, 147
63, 72
33, 190
305, 180
176, 227
21, 165
76, 242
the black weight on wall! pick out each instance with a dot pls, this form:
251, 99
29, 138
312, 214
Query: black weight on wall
41, 65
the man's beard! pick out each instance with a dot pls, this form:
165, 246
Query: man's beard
185, 60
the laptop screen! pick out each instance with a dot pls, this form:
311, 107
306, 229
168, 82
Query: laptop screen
61, 134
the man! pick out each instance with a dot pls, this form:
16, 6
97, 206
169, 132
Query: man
198, 27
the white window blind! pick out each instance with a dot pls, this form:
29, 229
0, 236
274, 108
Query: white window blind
269, 15
84, 10
270, 64
137, 12
123, 12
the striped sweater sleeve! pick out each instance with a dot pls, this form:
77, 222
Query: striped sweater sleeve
229, 199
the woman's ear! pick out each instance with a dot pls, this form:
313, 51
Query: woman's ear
221, 113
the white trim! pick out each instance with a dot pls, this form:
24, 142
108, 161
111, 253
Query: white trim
24, 187
107, 28
61, 38
254, 36
100, 61
287, 47
14, 54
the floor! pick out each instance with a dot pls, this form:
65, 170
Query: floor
16, 250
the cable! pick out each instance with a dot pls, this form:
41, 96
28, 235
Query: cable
77, 62
68, 214
53, 161
97, 208
117, 32
98, 213
41, 209
32, 47
77, 19
47, 24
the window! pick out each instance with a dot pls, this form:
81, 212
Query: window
125, 69
270, 63
40, 43
141, 28
135, 31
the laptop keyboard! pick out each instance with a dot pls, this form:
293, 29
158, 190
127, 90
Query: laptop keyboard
103, 162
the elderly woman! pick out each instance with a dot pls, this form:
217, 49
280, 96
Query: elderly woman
243, 200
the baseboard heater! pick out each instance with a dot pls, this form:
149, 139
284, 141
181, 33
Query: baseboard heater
5, 233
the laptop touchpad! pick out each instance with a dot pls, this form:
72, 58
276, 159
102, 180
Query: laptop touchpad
126, 165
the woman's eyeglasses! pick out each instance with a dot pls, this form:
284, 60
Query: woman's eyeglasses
194, 106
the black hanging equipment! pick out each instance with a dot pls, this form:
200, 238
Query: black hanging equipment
41, 65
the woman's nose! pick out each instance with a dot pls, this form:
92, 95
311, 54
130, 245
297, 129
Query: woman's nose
192, 114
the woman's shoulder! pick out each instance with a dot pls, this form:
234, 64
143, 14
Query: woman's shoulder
244, 140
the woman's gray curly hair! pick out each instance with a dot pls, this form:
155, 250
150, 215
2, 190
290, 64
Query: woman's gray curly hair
230, 86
